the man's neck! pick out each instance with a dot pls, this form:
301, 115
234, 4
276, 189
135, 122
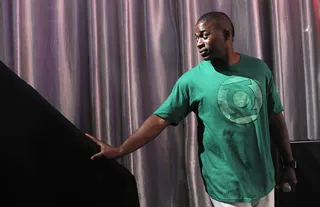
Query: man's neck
230, 59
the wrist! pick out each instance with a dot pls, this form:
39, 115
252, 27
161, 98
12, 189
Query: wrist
292, 164
120, 151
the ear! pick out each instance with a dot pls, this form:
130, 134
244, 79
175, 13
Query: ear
226, 34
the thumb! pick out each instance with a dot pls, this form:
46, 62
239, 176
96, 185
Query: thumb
95, 156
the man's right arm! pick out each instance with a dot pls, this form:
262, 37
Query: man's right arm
149, 130
174, 109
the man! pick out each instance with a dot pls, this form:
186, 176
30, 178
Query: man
235, 100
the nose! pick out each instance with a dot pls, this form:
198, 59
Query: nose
200, 43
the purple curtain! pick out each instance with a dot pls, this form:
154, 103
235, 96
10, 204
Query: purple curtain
108, 64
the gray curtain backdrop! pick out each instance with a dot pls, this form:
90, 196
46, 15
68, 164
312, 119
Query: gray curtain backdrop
108, 64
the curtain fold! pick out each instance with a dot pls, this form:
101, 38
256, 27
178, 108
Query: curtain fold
108, 64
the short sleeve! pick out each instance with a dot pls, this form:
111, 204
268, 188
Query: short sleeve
274, 102
176, 107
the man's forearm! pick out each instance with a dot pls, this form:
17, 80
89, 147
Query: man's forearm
283, 144
280, 133
150, 129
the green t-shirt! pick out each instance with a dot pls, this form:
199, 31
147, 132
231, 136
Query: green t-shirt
232, 105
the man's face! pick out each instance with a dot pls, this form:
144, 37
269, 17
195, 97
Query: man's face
210, 41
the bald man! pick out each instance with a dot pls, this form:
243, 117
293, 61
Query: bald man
236, 102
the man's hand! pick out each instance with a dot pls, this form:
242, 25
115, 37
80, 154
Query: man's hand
106, 150
289, 176
147, 132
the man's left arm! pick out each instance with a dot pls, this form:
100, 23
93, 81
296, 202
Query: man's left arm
280, 134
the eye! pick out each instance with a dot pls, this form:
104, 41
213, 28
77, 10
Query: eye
205, 36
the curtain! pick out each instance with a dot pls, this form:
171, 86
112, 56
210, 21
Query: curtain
108, 64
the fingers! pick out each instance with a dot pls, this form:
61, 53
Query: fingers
96, 156
293, 185
97, 141
284, 184
93, 138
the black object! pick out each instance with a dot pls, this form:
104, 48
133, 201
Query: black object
290, 164
45, 159
307, 154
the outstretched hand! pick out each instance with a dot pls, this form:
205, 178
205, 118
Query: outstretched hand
106, 150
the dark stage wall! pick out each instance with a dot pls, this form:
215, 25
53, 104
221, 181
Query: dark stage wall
45, 159
307, 192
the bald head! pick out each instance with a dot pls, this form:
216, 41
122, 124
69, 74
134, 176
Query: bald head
219, 20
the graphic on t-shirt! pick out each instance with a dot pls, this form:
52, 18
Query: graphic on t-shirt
240, 99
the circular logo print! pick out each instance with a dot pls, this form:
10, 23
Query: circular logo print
240, 99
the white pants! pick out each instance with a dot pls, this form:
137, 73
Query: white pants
266, 201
